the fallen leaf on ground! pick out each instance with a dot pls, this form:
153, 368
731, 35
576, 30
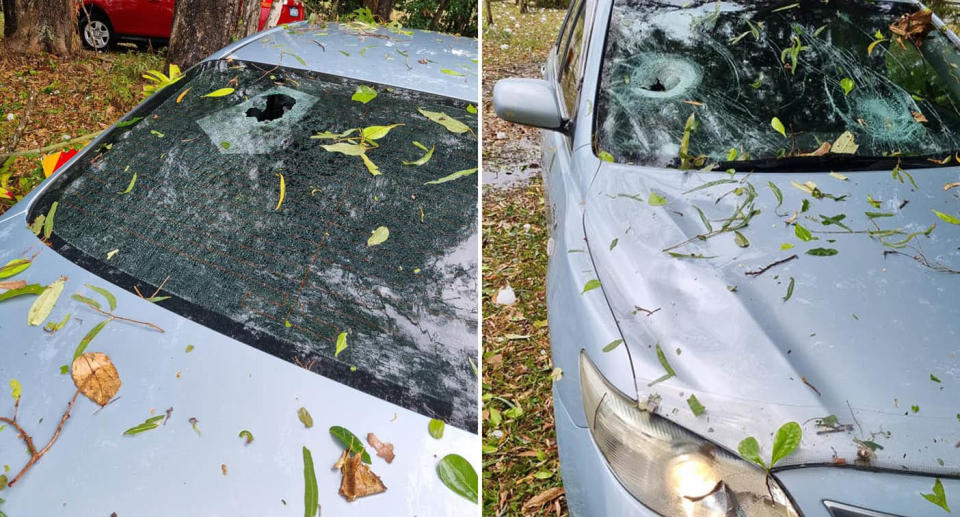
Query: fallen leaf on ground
543, 498
358, 480
384, 450
96, 377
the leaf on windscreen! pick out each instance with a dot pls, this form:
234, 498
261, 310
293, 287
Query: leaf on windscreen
96, 377
847, 84
378, 236
425, 158
451, 177
44, 303
222, 92
605, 156
283, 191
345, 148
947, 217
377, 132
304, 416
844, 144
364, 94
471, 109
453, 125
133, 181
48, 221
341, 344
372, 167
822, 252
778, 126
147, 425
666, 367
695, 405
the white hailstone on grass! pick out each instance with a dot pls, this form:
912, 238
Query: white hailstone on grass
10, 117
504, 46
506, 296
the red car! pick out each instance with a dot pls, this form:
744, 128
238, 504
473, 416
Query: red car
104, 22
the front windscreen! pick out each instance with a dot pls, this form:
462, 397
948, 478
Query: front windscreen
811, 84
301, 214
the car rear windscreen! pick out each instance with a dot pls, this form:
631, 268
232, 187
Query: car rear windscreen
826, 84
292, 211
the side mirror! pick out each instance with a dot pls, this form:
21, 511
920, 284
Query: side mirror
531, 102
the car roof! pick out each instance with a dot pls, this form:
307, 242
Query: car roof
430, 62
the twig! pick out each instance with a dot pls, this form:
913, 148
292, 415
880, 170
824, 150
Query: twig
121, 318
23, 434
160, 287
36, 455
814, 388
648, 312
52, 147
764, 269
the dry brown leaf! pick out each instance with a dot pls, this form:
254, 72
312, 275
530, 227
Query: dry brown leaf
914, 26
358, 480
919, 117
820, 151
384, 450
949, 186
543, 498
13, 284
693, 103
96, 377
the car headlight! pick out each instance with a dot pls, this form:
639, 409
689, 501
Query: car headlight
669, 469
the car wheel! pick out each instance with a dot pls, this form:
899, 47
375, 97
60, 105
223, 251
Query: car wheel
96, 32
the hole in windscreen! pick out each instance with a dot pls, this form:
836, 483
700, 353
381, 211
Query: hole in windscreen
277, 105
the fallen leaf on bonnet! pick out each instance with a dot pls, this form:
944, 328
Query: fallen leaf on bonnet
358, 480
96, 377
384, 450
13, 284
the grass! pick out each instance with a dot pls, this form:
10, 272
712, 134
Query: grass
47, 99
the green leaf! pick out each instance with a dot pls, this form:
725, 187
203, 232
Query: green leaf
14, 267
82, 346
15, 390
613, 344
605, 156
378, 236
459, 476
298, 58
704, 220
225, 144
451, 72
947, 217
425, 158
130, 122
749, 449
776, 192
778, 126
435, 427
934, 378
453, 125
938, 496
304, 416
451, 177
111, 299
666, 366
377, 132
48, 222
156, 133
656, 199
310, 494
789, 289
341, 344
350, 442
83, 299
471, 109
822, 252
847, 84
222, 92
590, 285
740, 240
802, 233
695, 405
147, 425
364, 94
30, 289
44, 303
873, 215
247, 437
133, 181
614, 242
786, 441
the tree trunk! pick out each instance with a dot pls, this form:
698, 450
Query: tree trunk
436, 16
384, 10
488, 10
275, 9
40, 26
523, 6
9, 17
201, 27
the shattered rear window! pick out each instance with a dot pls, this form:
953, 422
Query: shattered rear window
821, 69
256, 230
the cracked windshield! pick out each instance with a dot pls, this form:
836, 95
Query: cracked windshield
764, 86
328, 222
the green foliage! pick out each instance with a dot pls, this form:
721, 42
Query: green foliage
460, 16
785, 442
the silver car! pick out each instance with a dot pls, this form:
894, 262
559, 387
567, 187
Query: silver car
754, 257
278, 255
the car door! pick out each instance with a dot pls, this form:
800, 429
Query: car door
148, 18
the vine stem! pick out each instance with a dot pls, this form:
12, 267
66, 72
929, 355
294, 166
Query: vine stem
35, 454
121, 318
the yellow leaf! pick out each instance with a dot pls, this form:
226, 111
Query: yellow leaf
378, 236
220, 93
283, 191
182, 95
44, 303
344, 148
372, 167
844, 144
445, 120
377, 132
